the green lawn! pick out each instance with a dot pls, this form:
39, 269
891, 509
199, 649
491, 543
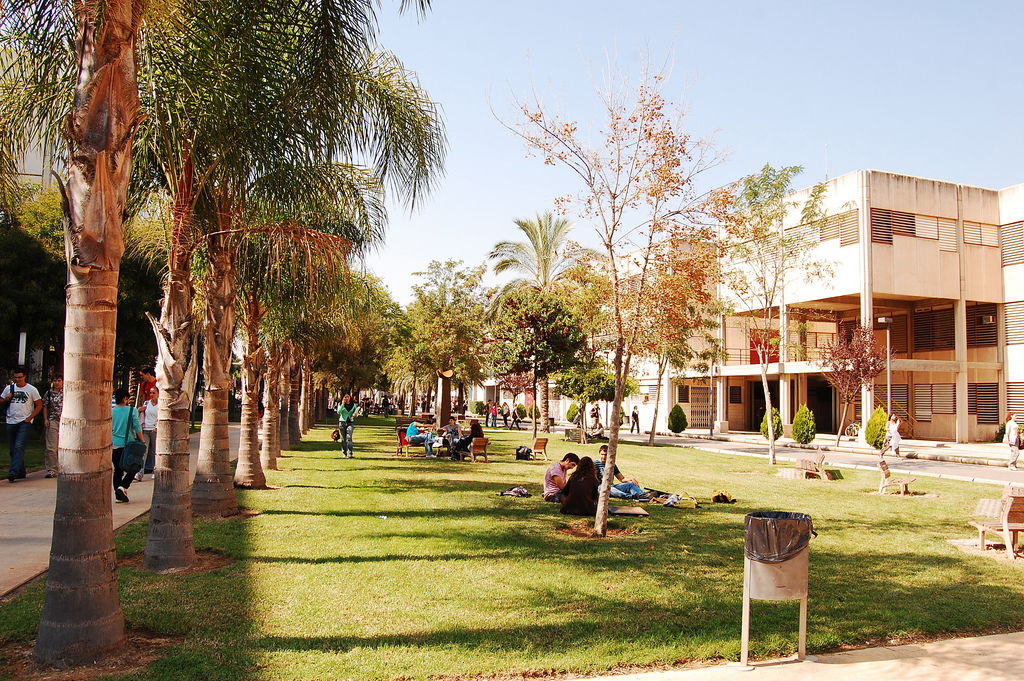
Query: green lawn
455, 580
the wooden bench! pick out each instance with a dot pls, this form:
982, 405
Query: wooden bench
812, 468
478, 448
1009, 521
540, 445
903, 484
404, 421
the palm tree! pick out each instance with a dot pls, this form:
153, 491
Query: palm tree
542, 260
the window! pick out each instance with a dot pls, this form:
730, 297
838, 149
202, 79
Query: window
981, 325
842, 226
981, 233
735, 394
1015, 397
683, 393
983, 400
1012, 238
933, 329
881, 226
1014, 323
934, 398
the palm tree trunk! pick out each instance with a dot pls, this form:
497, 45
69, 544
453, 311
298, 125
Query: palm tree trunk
82, 616
662, 365
249, 469
285, 394
294, 432
545, 397
305, 396
271, 410
213, 493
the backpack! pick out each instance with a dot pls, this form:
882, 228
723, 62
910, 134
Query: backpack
524, 453
517, 491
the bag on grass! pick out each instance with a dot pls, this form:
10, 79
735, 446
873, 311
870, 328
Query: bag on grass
720, 496
524, 453
517, 491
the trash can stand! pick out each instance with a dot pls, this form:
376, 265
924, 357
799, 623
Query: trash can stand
781, 574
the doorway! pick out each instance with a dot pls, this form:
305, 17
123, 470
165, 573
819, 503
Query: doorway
821, 402
757, 406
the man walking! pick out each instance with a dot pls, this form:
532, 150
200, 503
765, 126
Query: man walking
53, 405
148, 413
23, 405
634, 419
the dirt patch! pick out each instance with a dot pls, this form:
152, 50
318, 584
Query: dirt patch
992, 550
140, 649
243, 514
205, 562
583, 529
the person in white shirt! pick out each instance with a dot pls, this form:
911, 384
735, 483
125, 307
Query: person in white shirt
892, 436
1012, 438
23, 405
148, 414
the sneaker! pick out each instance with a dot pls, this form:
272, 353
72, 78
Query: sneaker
138, 477
1014, 468
120, 495
49, 474
11, 478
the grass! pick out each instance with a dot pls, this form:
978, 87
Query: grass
34, 449
454, 580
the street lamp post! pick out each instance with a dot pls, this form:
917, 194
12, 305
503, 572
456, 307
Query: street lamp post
888, 363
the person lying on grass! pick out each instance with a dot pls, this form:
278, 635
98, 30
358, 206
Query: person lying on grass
556, 476
579, 496
625, 488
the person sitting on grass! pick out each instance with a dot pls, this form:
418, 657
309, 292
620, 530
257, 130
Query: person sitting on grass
451, 434
414, 437
463, 444
596, 430
579, 496
625, 488
555, 477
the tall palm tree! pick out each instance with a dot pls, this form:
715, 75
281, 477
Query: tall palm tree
541, 261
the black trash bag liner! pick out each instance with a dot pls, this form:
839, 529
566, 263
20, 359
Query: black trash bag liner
776, 536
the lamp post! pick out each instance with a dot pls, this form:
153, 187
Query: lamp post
888, 363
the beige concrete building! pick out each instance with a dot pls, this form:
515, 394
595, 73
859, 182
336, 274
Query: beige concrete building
937, 265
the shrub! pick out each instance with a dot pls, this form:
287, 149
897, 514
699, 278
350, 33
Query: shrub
875, 432
534, 412
804, 427
776, 424
477, 408
1001, 433
677, 419
521, 410
570, 415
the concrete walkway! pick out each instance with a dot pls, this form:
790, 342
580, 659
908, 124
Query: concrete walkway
983, 658
745, 445
26, 519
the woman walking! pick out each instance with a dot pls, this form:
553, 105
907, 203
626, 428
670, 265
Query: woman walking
892, 437
124, 427
1012, 438
505, 413
346, 412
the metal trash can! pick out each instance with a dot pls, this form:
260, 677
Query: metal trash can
775, 566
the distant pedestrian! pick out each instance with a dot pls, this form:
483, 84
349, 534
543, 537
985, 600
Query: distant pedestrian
1012, 438
892, 437
346, 412
23, 405
494, 414
148, 417
53, 405
147, 381
634, 419
124, 426
505, 413
516, 421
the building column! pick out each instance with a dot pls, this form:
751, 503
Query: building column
960, 346
721, 404
1001, 358
867, 305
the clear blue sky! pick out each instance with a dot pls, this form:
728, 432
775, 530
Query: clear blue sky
931, 89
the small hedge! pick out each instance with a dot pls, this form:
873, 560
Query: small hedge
804, 427
521, 410
875, 432
477, 408
677, 419
776, 424
571, 414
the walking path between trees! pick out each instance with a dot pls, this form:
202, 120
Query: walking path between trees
982, 658
955, 465
26, 520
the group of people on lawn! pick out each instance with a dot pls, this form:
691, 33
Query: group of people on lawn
451, 434
577, 493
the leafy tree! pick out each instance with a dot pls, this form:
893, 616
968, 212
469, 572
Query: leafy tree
764, 258
804, 428
874, 433
776, 432
535, 333
589, 382
851, 363
572, 412
677, 419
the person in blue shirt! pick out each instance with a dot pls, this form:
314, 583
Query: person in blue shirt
124, 425
346, 412
626, 488
414, 437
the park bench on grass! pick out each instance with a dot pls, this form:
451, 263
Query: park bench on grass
478, 448
1008, 519
540, 446
813, 468
903, 484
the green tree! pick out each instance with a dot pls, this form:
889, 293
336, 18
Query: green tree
589, 382
677, 419
804, 427
776, 431
874, 433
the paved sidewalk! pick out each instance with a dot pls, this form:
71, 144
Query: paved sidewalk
862, 459
26, 519
983, 658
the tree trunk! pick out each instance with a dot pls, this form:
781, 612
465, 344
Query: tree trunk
271, 410
249, 469
412, 401
285, 387
545, 396
662, 365
601, 519
213, 493
294, 434
82, 617
305, 399
768, 415
533, 407
842, 421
